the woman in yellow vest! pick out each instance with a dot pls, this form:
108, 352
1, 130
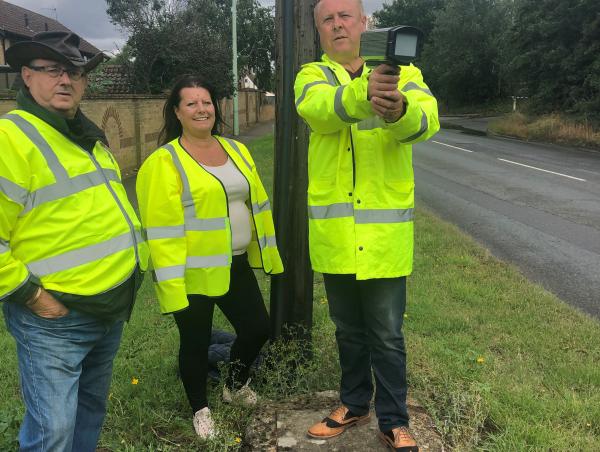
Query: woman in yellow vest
208, 222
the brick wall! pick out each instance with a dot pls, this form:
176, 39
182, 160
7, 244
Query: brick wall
132, 123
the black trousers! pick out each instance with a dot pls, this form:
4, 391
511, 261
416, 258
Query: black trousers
243, 306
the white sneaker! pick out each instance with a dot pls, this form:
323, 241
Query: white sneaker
203, 424
243, 396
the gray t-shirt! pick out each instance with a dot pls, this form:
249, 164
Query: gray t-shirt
236, 187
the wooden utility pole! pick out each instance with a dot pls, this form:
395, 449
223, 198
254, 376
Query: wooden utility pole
292, 292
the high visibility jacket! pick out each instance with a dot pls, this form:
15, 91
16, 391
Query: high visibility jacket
184, 212
64, 214
361, 182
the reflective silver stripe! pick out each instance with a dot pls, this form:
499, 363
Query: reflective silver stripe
81, 256
191, 223
165, 232
32, 133
189, 209
329, 74
339, 108
361, 216
307, 87
167, 273
374, 122
422, 130
265, 241
339, 210
366, 216
111, 174
67, 187
12, 191
259, 208
234, 145
218, 260
4, 247
138, 236
413, 86
207, 224
178, 271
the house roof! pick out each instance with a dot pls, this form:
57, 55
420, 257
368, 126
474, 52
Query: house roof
24, 23
111, 79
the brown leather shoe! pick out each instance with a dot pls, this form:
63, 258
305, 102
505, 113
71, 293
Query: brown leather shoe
399, 439
333, 425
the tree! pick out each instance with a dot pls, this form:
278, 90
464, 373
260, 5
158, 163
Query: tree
463, 59
172, 37
256, 42
556, 56
418, 13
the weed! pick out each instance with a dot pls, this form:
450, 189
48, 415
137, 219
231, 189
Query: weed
549, 128
499, 363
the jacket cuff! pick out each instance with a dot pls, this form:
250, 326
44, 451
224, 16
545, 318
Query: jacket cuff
410, 120
26, 291
360, 105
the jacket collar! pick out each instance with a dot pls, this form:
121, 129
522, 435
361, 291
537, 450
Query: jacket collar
339, 69
77, 129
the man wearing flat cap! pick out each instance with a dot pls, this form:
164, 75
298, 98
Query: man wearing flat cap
71, 253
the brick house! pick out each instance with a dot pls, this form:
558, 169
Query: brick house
20, 24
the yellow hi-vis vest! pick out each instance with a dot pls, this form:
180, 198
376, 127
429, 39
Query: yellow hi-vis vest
64, 214
361, 182
184, 212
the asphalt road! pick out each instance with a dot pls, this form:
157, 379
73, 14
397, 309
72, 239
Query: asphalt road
536, 206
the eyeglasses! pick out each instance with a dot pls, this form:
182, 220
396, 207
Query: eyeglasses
57, 71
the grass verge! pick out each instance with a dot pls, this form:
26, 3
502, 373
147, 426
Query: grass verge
549, 128
499, 363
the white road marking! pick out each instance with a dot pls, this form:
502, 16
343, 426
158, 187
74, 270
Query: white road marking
450, 146
540, 169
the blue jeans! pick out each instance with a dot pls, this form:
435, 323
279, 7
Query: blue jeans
368, 316
65, 368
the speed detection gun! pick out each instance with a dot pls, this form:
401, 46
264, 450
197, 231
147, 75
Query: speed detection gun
395, 46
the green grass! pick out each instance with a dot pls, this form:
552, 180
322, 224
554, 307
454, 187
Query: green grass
499, 363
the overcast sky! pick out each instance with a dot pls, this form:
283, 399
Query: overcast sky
88, 18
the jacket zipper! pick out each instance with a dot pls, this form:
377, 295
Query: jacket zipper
251, 212
353, 162
131, 228
118, 201
351, 140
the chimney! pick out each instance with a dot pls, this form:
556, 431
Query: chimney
26, 20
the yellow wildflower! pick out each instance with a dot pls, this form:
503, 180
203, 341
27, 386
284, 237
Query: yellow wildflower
480, 360
134, 381
238, 439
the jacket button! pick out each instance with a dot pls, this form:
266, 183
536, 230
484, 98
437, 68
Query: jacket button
350, 194
348, 149
358, 201
360, 248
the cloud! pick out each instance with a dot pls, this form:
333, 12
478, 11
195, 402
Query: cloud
370, 5
87, 18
